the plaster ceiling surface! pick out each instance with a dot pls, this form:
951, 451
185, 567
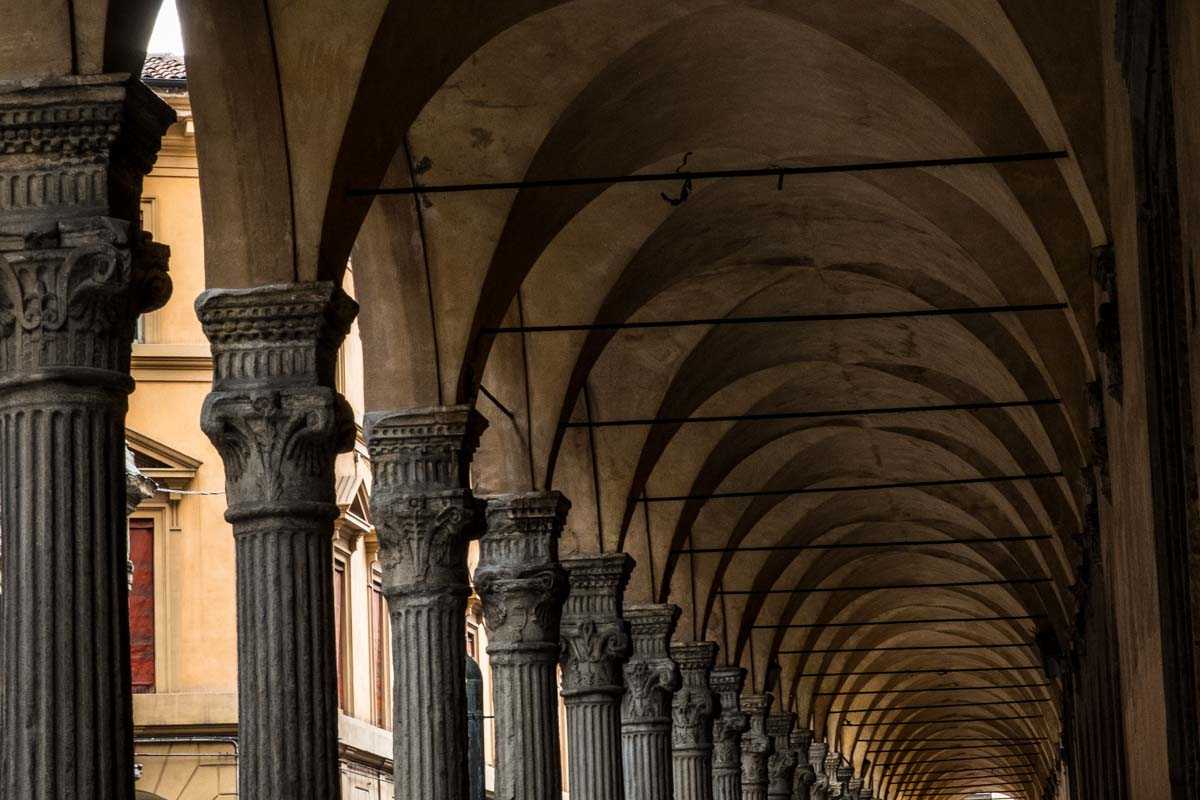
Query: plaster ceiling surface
898, 653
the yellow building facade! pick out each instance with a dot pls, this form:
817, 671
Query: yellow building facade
185, 707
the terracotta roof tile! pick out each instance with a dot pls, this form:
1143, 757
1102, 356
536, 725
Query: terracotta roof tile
164, 67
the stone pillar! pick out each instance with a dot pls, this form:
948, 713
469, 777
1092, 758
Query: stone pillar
651, 679
476, 764
425, 516
595, 645
728, 727
845, 773
278, 423
756, 747
805, 775
781, 766
821, 788
75, 273
692, 711
523, 589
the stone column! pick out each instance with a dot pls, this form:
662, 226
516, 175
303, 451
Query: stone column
728, 727
425, 515
595, 645
781, 766
75, 273
692, 711
821, 788
805, 775
476, 765
278, 424
651, 679
523, 589
845, 773
756, 747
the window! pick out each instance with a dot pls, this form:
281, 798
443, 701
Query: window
340, 629
473, 640
380, 656
147, 214
141, 604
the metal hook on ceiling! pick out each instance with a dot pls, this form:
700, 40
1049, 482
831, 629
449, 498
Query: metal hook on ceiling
686, 191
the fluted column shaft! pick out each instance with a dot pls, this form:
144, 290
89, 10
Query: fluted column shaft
781, 766
805, 775
278, 424
523, 588
728, 727
595, 645
692, 711
75, 271
756, 747
651, 679
426, 516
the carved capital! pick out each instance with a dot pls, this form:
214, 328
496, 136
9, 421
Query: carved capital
595, 640
273, 414
422, 508
651, 677
69, 297
518, 577
694, 704
731, 722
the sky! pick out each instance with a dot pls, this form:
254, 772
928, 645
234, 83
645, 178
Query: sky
166, 37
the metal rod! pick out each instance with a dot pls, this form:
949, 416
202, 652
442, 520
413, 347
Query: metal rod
956, 746
1041, 537
866, 487
983, 772
887, 586
961, 739
935, 671
1008, 756
1000, 646
950, 721
877, 623
786, 415
936, 781
932, 706
714, 174
848, 692
776, 319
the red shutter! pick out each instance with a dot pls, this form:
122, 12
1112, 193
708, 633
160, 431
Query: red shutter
339, 631
379, 665
141, 604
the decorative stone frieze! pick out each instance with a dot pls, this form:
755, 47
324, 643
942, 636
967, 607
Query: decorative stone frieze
781, 765
75, 273
278, 423
595, 644
756, 747
692, 711
523, 589
728, 726
425, 516
651, 679
805, 775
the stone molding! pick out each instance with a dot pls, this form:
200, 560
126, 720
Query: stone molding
595, 640
694, 703
78, 147
651, 677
